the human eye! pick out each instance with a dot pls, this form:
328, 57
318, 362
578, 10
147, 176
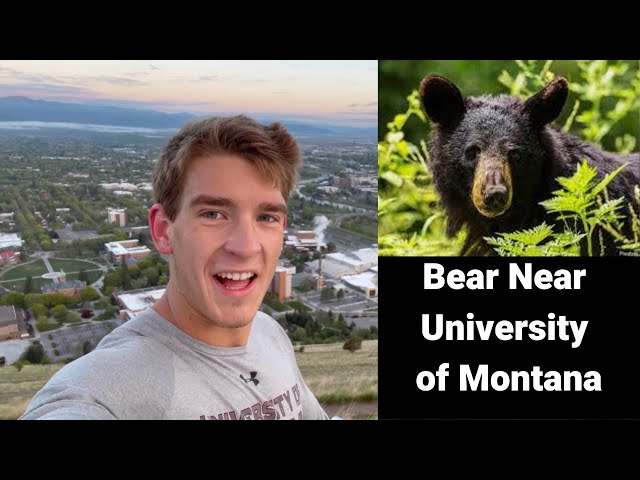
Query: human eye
265, 217
210, 215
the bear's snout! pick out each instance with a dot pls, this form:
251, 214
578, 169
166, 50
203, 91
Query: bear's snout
492, 189
496, 197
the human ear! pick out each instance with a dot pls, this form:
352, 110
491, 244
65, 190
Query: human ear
159, 225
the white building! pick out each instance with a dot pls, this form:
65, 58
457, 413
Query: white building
119, 251
136, 301
117, 216
10, 240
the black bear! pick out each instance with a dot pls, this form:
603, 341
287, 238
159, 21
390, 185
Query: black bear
494, 159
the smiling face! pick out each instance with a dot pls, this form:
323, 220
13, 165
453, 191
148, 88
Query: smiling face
224, 243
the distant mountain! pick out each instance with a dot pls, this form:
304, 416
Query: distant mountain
23, 109
27, 109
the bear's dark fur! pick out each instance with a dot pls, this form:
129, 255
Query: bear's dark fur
494, 159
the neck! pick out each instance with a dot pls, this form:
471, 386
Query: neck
174, 307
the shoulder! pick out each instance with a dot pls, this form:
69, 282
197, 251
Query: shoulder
267, 328
127, 376
267, 324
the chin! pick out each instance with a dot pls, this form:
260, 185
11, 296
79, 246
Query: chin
233, 318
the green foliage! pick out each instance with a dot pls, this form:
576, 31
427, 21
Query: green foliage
327, 294
88, 294
577, 202
125, 278
39, 310
274, 303
608, 91
59, 312
581, 205
28, 285
409, 218
353, 344
603, 95
13, 298
35, 354
529, 243
297, 305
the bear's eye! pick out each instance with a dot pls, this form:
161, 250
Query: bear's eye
514, 155
471, 152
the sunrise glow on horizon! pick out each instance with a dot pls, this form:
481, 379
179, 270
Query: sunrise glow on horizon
342, 92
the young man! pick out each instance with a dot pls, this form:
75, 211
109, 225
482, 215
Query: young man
203, 351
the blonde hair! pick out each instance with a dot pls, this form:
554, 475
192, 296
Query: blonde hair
271, 149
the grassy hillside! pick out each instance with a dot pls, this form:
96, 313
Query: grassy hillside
18, 387
345, 383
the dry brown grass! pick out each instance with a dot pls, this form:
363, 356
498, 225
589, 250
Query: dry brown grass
17, 388
338, 376
345, 383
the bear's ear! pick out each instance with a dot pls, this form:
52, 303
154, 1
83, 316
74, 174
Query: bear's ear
546, 105
442, 101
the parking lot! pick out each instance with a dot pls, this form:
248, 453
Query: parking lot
69, 340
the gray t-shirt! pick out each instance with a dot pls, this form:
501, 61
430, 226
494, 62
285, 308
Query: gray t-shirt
149, 369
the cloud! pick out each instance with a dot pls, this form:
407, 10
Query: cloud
51, 82
368, 112
363, 105
121, 81
28, 88
28, 77
208, 78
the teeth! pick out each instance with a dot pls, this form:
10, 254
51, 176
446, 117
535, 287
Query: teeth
236, 275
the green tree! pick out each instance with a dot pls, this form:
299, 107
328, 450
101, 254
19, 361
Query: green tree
125, 278
88, 294
13, 298
35, 354
83, 277
59, 312
28, 285
31, 299
39, 310
327, 294
152, 274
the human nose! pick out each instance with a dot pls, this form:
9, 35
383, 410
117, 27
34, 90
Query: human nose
243, 240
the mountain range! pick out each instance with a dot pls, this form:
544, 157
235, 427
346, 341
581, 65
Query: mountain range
14, 109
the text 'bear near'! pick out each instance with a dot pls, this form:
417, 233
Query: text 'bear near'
494, 159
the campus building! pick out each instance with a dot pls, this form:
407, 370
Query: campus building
357, 269
72, 287
12, 324
10, 241
117, 216
302, 240
135, 301
281, 282
118, 251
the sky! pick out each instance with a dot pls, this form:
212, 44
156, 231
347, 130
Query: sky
341, 92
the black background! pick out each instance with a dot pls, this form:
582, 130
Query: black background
608, 299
